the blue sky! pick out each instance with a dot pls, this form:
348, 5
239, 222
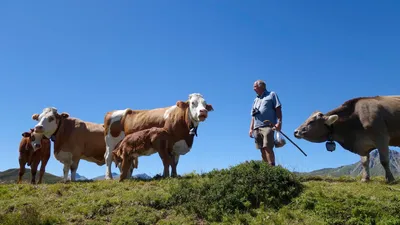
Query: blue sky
89, 57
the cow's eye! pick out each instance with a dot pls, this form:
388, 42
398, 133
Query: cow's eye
33, 138
51, 118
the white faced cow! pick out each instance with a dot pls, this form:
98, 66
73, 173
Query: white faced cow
119, 123
73, 139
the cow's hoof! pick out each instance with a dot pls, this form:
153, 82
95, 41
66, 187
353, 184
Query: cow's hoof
390, 180
364, 180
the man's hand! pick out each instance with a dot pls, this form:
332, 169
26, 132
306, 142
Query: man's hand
251, 133
277, 126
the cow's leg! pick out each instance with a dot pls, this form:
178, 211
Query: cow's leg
384, 158
174, 164
66, 168
365, 168
74, 168
45, 159
166, 159
111, 142
34, 165
21, 172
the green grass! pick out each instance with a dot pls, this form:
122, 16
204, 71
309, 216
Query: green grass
249, 193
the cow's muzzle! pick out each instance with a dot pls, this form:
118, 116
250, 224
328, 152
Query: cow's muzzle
36, 146
298, 134
203, 114
38, 129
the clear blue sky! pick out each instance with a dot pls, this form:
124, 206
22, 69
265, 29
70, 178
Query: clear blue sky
89, 57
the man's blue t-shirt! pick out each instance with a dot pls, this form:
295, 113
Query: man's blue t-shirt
266, 103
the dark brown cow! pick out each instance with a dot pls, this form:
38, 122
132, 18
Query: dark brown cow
119, 123
359, 125
33, 156
135, 144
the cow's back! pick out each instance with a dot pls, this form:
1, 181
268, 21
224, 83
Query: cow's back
143, 119
380, 111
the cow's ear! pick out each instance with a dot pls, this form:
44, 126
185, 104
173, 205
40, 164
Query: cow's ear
26, 134
64, 115
209, 107
35, 116
331, 119
182, 104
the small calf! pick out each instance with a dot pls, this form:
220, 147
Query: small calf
32, 156
137, 144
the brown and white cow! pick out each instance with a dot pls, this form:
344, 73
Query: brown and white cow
119, 123
32, 156
359, 125
135, 144
74, 139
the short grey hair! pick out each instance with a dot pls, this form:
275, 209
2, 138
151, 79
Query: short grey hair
261, 84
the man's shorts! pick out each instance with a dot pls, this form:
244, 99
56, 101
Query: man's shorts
264, 137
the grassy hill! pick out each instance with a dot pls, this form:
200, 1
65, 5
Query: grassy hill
11, 176
249, 193
355, 169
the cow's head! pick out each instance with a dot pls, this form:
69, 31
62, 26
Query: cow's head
198, 108
34, 139
316, 127
49, 120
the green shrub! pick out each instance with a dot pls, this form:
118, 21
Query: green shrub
237, 189
28, 215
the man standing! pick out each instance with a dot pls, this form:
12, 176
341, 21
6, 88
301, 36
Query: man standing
266, 106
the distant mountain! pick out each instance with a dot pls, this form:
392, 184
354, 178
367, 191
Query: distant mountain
355, 169
141, 176
11, 176
78, 177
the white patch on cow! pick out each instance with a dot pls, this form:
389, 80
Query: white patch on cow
47, 120
197, 106
148, 152
36, 141
181, 148
168, 111
111, 141
66, 159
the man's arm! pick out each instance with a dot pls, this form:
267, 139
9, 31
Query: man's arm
252, 123
279, 114
252, 120
278, 110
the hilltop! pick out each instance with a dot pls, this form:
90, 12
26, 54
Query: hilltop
355, 169
249, 193
11, 176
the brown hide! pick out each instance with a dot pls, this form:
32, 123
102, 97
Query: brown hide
359, 125
178, 124
28, 156
135, 144
135, 120
367, 116
85, 140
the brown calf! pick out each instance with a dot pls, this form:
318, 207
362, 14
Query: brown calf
27, 155
136, 144
119, 123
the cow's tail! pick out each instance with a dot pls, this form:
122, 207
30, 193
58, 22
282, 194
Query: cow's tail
127, 112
